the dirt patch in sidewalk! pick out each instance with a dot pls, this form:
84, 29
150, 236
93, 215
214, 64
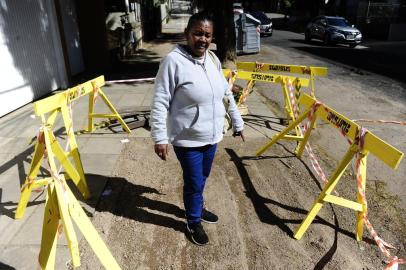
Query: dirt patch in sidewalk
260, 202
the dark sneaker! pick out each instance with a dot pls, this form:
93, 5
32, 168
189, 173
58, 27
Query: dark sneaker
209, 217
197, 233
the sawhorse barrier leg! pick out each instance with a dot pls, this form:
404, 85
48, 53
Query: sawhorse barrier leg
114, 115
284, 134
39, 154
62, 206
325, 196
75, 172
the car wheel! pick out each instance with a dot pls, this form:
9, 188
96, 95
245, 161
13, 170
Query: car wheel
326, 39
353, 45
308, 37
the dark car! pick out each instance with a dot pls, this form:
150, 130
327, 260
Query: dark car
333, 30
266, 23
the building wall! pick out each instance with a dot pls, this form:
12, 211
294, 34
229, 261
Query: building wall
31, 56
69, 24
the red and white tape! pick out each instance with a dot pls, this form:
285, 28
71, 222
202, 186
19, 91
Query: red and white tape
380, 121
393, 261
258, 66
292, 97
131, 80
313, 160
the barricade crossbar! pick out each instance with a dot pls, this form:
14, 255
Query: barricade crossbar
269, 67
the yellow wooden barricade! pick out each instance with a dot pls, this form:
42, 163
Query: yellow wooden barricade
273, 78
374, 145
48, 109
296, 69
93, 89
60, 209
61, 205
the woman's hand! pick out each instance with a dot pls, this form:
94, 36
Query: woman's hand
162, 150
239, 133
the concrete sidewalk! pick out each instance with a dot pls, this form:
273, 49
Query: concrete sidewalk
99, 152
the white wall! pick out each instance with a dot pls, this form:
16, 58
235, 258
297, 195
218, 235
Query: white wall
31, 59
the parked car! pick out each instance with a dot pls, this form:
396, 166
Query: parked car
333, 30
265, 27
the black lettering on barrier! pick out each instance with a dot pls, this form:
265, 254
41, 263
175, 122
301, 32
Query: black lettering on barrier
76, 93
279, 68
72, 95
262, 77
255, 76
338, 122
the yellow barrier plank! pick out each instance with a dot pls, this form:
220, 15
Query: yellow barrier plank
269, 67
27, 188
343, 202
63, 204
63, 159
41, 182
50, 225
293, 138
265, 77
103, 115
89, 232
83, 89
48, 104
379, 148
58, 100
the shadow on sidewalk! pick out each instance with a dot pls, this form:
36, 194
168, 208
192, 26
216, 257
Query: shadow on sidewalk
6, 267
8, 208
128, 200
265, 214
25, 157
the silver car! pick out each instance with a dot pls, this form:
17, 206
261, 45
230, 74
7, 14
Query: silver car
265, 27
333, 30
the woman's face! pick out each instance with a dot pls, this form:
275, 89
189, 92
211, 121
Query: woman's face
199, 37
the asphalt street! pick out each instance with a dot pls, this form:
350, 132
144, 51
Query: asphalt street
380, 57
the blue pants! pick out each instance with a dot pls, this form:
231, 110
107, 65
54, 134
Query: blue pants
196, 165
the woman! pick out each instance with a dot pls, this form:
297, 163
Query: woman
188, 111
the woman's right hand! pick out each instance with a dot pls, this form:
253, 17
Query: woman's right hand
162, 150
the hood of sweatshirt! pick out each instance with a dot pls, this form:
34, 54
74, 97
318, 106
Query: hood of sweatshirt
182, 50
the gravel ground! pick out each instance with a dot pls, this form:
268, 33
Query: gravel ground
260, 203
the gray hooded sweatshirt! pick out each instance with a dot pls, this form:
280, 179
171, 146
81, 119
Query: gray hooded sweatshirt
187, 108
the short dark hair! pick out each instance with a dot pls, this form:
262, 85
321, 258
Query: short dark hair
199, 17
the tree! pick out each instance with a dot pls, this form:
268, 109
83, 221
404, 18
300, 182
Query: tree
224, 30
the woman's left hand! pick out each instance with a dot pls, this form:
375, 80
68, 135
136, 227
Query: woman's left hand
162, 150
